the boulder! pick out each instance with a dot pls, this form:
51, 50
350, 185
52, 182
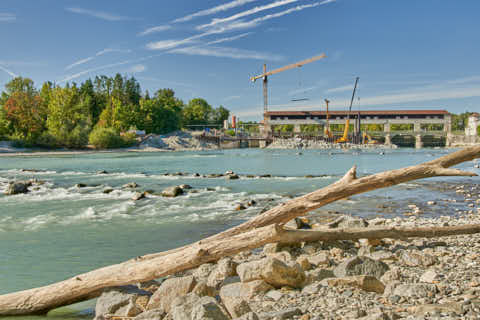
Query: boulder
17, 188
193, 307
124, 301
318, 274
366, 283
359, 266
203, 271
139, 196
80, 185
348, 222
131, 185
185, 186
169, 290
107, 190
431, 276
320, 259
154, 314
272, 271
235, 295
240, 207
208, 309
416, 258
232, 177
418, 290
226, 267
172, 192
202, 289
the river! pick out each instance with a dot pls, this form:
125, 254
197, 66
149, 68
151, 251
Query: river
60, 230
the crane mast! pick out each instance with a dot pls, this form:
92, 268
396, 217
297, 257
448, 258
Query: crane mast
266, 74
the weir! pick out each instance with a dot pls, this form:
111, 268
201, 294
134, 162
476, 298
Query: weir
418, 120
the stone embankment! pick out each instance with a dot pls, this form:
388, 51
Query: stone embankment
299, 143
436, 278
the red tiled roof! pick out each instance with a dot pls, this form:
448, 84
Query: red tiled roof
362, 112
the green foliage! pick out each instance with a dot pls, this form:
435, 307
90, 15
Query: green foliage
311, 128
68, 117
107, 138
371, 127
230, 132
478, 131
401, 127
64, 116
460, 121
283, 128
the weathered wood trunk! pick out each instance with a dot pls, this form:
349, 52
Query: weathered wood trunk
263, 229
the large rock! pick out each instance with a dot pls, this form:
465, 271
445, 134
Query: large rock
17, 187
126, 301
361, 266
416, 258
154, 314
225, 268
272, 271
366, 283
420, 290
193, 307
203, 271
172, 192
169, 290
235, 295
348, 222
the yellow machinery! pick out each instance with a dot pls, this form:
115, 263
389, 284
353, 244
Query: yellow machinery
328, 133
344, 138
366, 138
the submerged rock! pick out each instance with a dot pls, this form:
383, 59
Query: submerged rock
18, 187
172, 192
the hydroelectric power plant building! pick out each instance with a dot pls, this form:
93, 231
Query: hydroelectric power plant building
386, 118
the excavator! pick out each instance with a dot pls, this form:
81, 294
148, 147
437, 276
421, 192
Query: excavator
344, 138
328, 133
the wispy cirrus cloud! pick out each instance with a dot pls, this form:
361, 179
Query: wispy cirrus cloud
225, 52
98, 54
11, 73
348, 87
247, 13
98, 14
242, 24
220, 8
7, 17
107, 66
155, 30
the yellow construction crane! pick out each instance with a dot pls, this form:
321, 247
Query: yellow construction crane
265, 75
347, 123
328, 133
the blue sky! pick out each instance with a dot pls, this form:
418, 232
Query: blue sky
408, 54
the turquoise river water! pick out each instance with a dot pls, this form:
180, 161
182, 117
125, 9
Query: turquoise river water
60, 230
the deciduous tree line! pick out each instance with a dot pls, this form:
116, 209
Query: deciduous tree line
95, 110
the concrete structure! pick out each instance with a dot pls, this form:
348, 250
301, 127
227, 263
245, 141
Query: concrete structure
471, 132
386, 118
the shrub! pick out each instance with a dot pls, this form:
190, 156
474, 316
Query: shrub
109, 138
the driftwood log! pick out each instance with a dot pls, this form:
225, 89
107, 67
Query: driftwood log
263, 229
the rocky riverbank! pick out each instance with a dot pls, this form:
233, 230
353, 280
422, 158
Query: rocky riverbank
435, 278
299, 143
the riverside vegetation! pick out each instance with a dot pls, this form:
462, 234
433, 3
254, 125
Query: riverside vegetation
98, 111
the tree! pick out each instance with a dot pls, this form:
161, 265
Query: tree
197, 112
157, 118
220, 114
24, 112
69, 119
